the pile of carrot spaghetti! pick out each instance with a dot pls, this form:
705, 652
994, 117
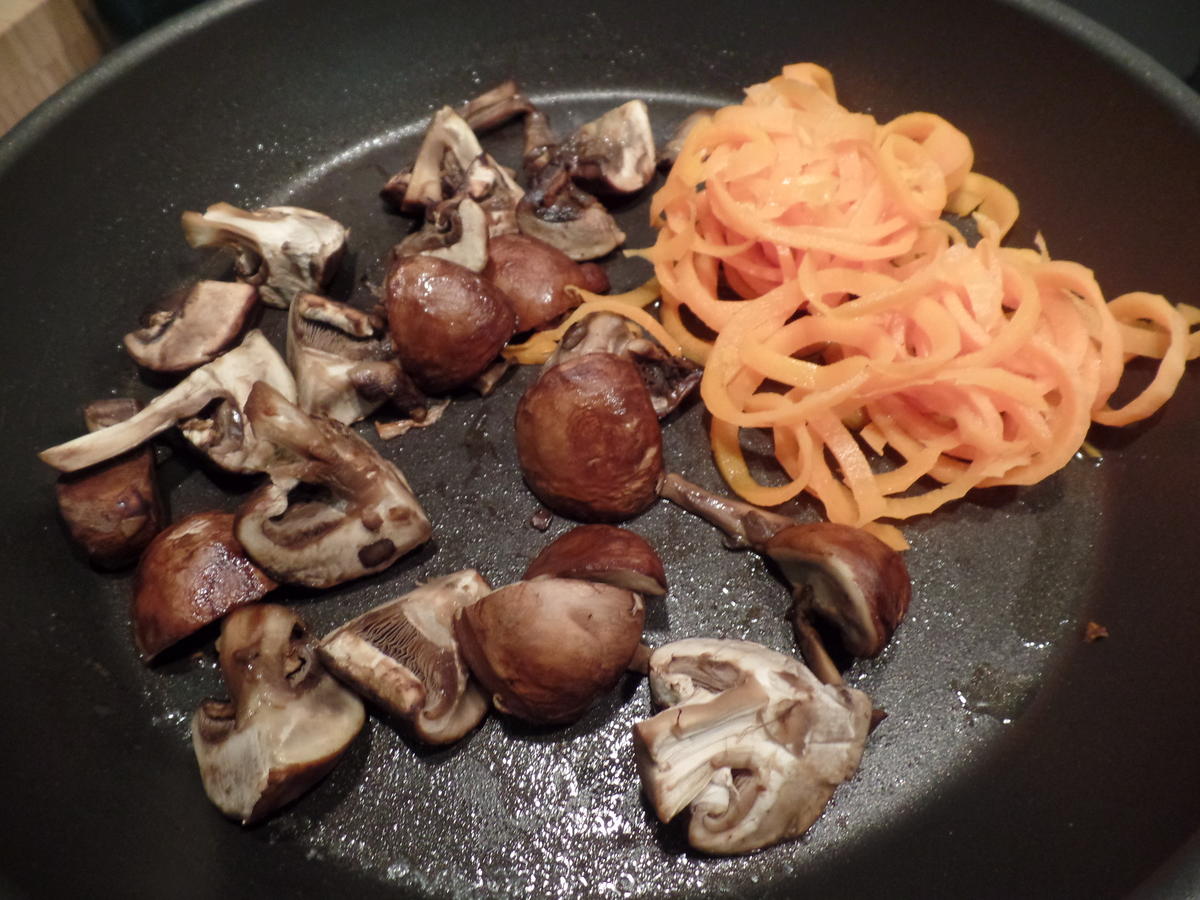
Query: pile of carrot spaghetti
803, 259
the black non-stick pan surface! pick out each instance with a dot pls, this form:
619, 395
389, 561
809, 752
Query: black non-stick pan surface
1017, 760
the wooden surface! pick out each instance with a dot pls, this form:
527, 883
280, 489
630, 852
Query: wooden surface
43, 45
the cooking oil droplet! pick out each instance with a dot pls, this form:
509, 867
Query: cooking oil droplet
993, 692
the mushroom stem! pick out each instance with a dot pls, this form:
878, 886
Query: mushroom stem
640, 661
812, 648
747, 525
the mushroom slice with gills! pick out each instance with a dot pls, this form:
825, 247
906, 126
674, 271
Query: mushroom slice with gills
669, 379
751, 741
547, 649
192, 574
343, 361
447, 323
193, 326
286, 724
207, 405
455, 230
403, 656
355, 515
282, 249
113, 509
840, 574
557, 211
614, 154
671, 149
602, 553
534, 276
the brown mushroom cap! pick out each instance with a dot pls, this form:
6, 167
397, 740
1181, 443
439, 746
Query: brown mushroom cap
602, 553
192, 574
534, 276
193, 326
287, 722
113, 509
854, 580
546, 649
447, 323
588, 439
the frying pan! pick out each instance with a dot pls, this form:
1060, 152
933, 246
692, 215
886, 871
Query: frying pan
1017, 759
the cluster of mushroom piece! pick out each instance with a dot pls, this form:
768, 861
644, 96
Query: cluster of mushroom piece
751, 741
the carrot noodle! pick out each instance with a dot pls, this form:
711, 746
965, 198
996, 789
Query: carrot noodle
804, 261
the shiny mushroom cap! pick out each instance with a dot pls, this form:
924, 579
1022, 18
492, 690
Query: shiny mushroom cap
192, 574
344, 363
535, 276
752, 742
357, 516
282, 249
193, 326
603, 553
403, 656
218, 389
287, 721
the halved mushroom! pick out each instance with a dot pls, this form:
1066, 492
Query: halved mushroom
344, 363
403, 656
455, 230
602, 553
286, 724
547, 649
557, 211
844, 575
751, 741
113, 509
534, 276
207, 405
192, 326
355, 514
447, 323
614, 154
192, 574
282, 249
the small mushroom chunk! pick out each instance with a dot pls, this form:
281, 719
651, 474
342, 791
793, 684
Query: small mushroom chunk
534, 276
403, 656
282, 249
495, 106
555, 210
334, 508
447, 323
602, 553
615, 153
547, 649
286, 724
588, 439
192, 574
343, 360
207, 405
750, 741
113, 509
455, 230
671, 149
192, 326
447, 150
842, 575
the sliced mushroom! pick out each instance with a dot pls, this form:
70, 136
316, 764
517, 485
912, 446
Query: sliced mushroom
602, 553
557, 211
547, 649
343, 361
207, 405
614, 154
403, 656
192, 326
286, 724
843, 575
495, 106
192, 574
534, 276
447, 323
449, 141
671, 149
455, 230
751, 742
360, 519
113, 509
282, 249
